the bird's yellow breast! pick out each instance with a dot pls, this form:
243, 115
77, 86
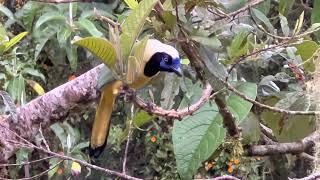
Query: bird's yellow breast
140, 82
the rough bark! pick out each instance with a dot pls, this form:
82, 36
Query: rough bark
47, 109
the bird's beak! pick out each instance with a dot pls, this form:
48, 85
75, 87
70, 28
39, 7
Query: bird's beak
177, 71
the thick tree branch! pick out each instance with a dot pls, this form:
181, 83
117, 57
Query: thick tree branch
284, 148
314, 176
52, 106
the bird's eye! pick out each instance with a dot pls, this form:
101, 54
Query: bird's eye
166, 59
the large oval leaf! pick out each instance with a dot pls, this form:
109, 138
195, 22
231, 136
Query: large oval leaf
133, 24
89, 26
50, 16
307, 50
259, 15
100, 47
196, 137
285, 126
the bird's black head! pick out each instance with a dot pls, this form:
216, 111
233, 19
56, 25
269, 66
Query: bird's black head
162, 61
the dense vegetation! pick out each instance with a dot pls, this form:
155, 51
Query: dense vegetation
250, 81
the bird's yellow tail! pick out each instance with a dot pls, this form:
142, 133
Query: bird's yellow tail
101, 124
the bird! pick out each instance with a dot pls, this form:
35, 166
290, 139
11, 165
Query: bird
156, 57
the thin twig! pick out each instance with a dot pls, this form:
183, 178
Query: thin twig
274, 109
282, 37
173, 114
38, 175
242, 58
128, 141
235, 13
43, 139
106, 19
84, 163
29, 162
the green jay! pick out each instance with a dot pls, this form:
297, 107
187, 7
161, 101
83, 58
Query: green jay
156, 57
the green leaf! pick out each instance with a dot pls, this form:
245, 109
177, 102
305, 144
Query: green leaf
284, 25
87, 25
3, 34
21, 90
34, 72
131, 3
60, 133
42, 37
191, 92
299, 24
133, 24
7, 12
314, 27
170, 90
196, 137
80, 146
49, 16
263, 18
239, 46
53, 167
264, 7
22, 155
16, 89
92, 14
72, 56
285, 6
185, 61
63, 35
315, 16
290, 128
167, 5
307, 50
2, 76
212, 42
11, 89
141, 118
134, 65
28, 12
14, 41
250, 129
237, 105
100, 47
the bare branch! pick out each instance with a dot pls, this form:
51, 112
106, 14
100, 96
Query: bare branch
22, 142
244, 57
315, 176
284, 148
173, 114
27, 163
244, 8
